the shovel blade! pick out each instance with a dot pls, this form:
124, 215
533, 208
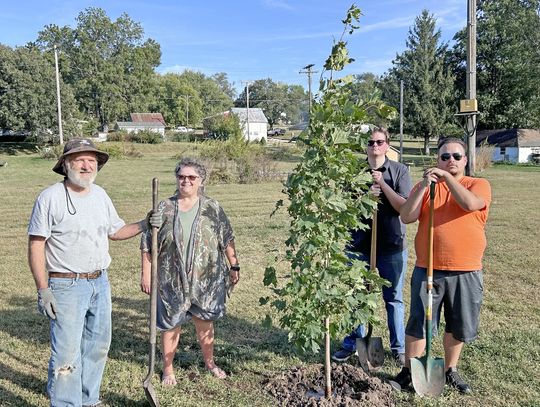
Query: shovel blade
375, 352
150, 393
362, 353
428, 376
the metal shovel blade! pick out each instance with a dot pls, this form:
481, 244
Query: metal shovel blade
362, 353
428, 376
150, 393
370, 353
375, 352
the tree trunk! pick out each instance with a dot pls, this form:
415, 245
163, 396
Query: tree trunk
426, 145
327, 365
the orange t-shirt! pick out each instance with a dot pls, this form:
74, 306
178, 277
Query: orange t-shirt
459, 240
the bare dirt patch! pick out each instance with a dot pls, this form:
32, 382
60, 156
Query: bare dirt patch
351, 386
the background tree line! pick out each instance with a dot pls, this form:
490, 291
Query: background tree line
107, 71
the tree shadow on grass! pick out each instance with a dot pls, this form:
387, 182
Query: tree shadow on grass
17, 148
22, 380
237, 341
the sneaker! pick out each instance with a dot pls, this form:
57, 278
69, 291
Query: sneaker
342, 355
399, 358
453, 379
402, 381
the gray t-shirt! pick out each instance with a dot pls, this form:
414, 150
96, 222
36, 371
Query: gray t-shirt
76, 243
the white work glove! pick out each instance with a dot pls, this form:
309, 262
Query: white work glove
47, 303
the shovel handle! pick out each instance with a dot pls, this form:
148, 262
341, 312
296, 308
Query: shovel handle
429, 285
153, 272
373, 252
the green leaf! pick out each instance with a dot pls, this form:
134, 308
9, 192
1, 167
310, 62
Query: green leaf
270, 276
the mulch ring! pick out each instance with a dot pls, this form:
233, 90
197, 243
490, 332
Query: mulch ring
351, 386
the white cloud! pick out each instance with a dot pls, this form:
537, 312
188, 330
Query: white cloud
388, 24
278, 4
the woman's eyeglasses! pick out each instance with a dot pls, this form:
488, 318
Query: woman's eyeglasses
446, 156
371, 143
189, 177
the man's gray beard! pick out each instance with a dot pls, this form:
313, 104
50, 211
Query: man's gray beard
74, 177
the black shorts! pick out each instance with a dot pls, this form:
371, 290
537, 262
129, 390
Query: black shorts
459, 293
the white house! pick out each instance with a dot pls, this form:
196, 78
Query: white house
135, 127
257, 123
512, 145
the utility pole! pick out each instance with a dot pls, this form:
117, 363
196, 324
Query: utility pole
401, 121
60, 133
187, 110
309, 72
247, 109
471, 84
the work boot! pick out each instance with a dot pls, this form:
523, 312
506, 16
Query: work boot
399, 358
342, 355
402, 381
453, 379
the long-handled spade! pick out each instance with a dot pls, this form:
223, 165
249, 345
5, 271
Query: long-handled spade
428, 373
370, 349
149, 391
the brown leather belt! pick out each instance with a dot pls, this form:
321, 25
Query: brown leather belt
88, 276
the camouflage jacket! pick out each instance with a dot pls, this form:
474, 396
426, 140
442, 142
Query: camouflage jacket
199, 282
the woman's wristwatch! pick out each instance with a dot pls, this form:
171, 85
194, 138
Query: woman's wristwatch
235, 267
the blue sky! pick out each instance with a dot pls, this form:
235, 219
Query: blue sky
248, 39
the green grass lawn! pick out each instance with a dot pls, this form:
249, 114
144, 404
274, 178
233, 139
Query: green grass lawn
502, 365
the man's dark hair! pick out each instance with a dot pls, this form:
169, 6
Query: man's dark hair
451, 140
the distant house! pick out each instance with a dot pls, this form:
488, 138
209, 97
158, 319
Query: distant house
512, 145
258, 123
393, 154
153, 122
148, 118
135, 127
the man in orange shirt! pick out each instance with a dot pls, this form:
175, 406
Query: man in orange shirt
461, 211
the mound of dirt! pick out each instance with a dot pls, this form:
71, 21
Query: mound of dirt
351, 386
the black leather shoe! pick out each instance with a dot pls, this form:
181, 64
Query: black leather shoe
454, 380
402, 381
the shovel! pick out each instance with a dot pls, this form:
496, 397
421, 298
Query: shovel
149, 391
427, 373
370, 349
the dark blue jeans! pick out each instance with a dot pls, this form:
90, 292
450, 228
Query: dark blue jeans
393, 268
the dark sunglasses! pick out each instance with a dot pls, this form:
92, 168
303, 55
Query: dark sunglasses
371, 143
446, 156
189, 177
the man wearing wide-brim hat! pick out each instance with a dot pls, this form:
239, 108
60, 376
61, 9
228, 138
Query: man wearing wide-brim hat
68, 252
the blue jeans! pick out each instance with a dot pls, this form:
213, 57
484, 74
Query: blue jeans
393, 268
80, 340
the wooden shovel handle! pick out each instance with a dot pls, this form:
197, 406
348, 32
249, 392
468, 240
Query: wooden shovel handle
153, 272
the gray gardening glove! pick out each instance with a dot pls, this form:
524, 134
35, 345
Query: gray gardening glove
47, 303
152, 220
155, 219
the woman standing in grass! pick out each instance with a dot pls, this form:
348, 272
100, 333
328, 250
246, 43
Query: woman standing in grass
193, 277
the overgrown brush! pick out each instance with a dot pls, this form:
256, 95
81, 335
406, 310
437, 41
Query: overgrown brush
146, 137
234, 160
484, 157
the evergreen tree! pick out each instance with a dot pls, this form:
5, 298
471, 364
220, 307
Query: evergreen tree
428, 82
